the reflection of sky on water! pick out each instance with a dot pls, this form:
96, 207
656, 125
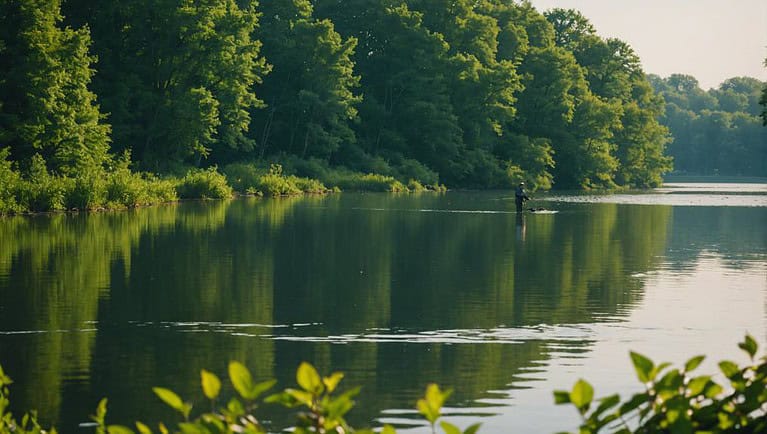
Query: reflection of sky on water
679, 317
688, 194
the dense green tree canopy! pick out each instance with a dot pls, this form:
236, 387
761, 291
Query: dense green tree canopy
45, 105
478, 93
310, 93
176, 76
716, 131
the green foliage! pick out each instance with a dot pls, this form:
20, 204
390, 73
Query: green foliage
310, 92
352, 181
47, 107
455, 92
40, 191
415, 186
8, 424
9, 181
96, 188
677, 401
242, 176
85, 191
176, 77
204, 184
321, 408
674, 400
409, 169
716, 132
273, 182
323, 411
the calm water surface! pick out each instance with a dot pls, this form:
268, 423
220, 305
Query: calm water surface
394, 290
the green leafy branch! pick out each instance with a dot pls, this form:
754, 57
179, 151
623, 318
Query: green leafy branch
676, 401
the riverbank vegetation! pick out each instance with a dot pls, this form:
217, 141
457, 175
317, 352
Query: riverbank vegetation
674, 400
384, 95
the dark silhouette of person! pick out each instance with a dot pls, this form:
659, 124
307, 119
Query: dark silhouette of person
520, 196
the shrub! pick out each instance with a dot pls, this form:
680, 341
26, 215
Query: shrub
125, 188
415, 186
252, 179
204, 184
677, 402
88, 190
39, 191
320, 408
242, 176
9, 184
412, 169
352, 181
673, 402
308, 185
28, 423
160, 190
276, 185
313, 167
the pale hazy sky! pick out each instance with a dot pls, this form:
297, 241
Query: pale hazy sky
711, 40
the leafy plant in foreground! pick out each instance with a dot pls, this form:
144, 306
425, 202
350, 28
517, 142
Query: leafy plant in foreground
320, 409
28, 424
675, 401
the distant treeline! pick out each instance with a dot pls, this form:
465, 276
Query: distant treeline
464, 92
718, 131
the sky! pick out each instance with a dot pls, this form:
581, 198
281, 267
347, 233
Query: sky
712, 40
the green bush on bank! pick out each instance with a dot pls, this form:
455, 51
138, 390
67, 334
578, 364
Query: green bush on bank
369, 174
114, 187
674, 401
9, 180
126, 188
253, 179
353, 181
204, 184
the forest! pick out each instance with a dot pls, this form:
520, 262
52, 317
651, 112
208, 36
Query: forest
716, 132
131, 101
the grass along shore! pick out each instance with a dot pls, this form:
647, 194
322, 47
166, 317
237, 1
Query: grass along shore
36, 190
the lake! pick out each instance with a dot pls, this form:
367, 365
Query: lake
394, 290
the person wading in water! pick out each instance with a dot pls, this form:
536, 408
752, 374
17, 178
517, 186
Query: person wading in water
520, 196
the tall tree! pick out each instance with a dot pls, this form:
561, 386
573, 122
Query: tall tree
310, 91
404, 69
614, 75
46, 107
177, 76
483, 86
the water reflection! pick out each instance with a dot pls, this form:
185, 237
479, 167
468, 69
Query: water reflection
393, 290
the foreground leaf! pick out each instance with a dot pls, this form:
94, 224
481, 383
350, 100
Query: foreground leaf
643, 367
308, 378
582, 395
211, 385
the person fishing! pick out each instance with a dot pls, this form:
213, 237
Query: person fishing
520, 196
